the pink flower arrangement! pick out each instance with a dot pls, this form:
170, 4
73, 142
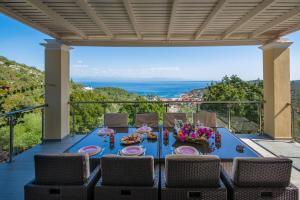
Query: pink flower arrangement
204, 131
181, 136
194, 134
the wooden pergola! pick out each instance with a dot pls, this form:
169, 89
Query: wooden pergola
158, 22
162, 23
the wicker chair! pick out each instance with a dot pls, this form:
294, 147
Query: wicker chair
151, 119
192, 177
62, 176
127, 178
206, 118
259, 179
169, 118
117, 121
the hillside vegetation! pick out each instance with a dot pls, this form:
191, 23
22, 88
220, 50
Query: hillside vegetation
22, 86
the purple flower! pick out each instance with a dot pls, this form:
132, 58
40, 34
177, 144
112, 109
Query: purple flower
209, 134
182, 137
193, 135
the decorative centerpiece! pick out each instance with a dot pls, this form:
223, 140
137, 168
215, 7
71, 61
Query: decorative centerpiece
186, 132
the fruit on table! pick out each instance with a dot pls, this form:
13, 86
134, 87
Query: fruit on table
131, 138
151, 135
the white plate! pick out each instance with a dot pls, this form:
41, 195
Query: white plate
132, 151
105, 131
144, 129
90, 150
186, 150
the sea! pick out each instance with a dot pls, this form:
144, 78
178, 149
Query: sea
163, 89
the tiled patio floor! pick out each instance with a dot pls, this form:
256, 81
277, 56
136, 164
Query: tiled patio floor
281, 148
16, 174
13, 176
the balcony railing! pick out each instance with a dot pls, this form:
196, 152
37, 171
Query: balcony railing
296, 119
13, 123
237, 116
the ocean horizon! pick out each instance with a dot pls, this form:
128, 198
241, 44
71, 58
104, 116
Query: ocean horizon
163, 89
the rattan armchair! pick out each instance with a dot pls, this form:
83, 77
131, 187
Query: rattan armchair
206, 118
127, 177
168, 121
63, 177
259, 179
116, 120
151, 119
192, 177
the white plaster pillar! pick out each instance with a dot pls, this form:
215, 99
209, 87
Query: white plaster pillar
277, 89
57, 90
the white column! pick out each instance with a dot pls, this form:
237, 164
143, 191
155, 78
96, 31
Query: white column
277, 89
57, 90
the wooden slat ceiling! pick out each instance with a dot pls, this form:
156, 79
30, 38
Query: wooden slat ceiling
158, 22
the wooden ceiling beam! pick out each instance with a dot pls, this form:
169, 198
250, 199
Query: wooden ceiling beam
162, 43
291, 30
84, 5
242, 22
221, 4
7, 11
56, 17
172, 18
277, 21
132, 18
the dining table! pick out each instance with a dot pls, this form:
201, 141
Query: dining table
150, 146
227, 146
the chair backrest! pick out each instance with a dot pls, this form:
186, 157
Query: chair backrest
192, 171
169, 118
151, 119
61, 169
127, 170
115, 120
206, 118
262, 172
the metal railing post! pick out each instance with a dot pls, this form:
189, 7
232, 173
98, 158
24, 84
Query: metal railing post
11, 137
229, 116
167, 107
43, 124
293, 123
135, 108
104, 111
104, 105
260, 117
73, 120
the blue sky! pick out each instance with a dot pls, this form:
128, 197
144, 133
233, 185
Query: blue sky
22, 44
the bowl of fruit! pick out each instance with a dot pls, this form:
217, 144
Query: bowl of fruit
131, 139
151, 136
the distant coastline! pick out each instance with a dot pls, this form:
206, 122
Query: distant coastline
161, 89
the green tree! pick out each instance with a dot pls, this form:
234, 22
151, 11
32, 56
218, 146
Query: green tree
235, 89
132, 109
87, 116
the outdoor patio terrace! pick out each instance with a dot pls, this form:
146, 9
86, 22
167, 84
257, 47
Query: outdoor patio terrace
18, 172
158, 23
